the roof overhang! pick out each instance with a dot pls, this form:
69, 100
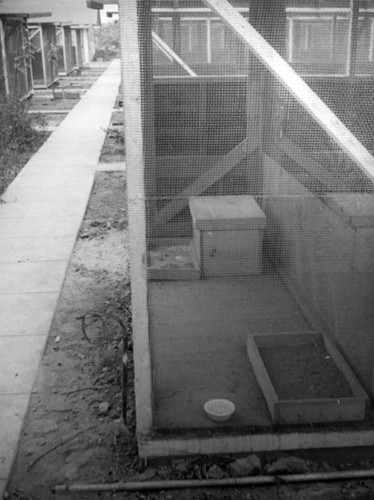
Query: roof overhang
97, 4
25, 14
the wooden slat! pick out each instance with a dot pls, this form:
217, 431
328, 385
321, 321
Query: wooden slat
295, 84
206, 180
314, 169
165, 47
131, 81
262, 375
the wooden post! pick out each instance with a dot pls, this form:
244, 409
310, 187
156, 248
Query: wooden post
4, 58
146, 76
176, 28
353, 37
131, 81
44, 54
264, 120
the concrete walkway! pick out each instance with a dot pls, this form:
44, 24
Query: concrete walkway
39, 224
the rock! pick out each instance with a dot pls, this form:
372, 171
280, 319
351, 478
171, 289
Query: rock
244, 466
146, 475
326, 467
215, 472
287, 465
103, 408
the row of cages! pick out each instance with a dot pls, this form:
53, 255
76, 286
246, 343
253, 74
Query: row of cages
318, 42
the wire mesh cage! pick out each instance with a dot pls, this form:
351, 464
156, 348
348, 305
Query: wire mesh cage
258, 182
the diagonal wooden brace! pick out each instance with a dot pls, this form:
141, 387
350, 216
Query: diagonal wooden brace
224, 165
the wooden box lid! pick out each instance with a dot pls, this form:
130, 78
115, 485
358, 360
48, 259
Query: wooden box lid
226, 213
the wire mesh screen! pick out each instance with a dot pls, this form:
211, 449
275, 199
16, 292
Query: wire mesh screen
260, 218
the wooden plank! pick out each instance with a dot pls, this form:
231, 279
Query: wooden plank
295, 85
131, 81
262, 375
225, 213
206, 180
325, 439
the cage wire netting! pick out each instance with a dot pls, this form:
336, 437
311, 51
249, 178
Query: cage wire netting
260, 226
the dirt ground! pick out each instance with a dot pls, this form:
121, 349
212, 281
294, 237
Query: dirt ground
74, 431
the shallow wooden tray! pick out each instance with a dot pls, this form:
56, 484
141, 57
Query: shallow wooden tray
306, 411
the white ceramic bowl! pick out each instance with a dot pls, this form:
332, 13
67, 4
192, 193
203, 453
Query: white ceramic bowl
219, 410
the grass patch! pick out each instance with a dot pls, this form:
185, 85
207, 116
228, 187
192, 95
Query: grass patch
19, 139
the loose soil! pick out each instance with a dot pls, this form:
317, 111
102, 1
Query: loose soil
75, 431
304, 372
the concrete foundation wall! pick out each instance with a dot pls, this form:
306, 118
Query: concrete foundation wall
327, 259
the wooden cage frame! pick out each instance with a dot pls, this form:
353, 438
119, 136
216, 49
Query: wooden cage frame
137, 91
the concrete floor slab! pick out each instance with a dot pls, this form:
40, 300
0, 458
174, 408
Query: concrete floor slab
199, 334
37, 313
32, 277
19, 361
12, 410
36, 249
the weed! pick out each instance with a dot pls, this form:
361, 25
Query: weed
18, 137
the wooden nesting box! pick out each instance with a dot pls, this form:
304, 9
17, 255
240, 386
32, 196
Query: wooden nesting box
227, 235
305, 379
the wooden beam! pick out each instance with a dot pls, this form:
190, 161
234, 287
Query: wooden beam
295, 85
170, 52
131, 81
264, 107
206, 180
147, 92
